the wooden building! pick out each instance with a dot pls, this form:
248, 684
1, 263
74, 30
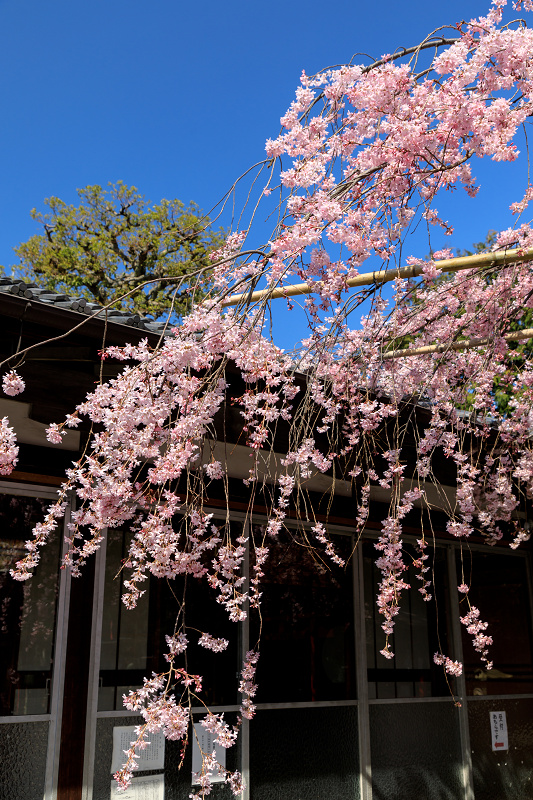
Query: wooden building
335, 719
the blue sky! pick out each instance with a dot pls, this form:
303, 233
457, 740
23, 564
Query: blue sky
178, 98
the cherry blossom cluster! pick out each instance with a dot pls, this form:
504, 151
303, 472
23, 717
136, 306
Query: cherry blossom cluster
212, 643
393, 169
224, 735
392, 566
321, 536
12, 383
261, 555
210, 765
160, 712
247, 687
476, 628
8, 447
454, 668
422, 569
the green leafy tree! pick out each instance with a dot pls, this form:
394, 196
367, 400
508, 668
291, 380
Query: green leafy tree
114, 242
480, 247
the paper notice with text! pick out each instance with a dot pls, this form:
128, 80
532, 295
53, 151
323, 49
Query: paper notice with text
498, 728
152, 757
204, 743
146, 787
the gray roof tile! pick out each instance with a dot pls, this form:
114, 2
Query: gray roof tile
31, 291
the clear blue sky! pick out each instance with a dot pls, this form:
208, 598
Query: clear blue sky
178, 98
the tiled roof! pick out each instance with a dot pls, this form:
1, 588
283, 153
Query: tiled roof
33, 292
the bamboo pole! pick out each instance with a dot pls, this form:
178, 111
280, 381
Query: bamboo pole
383, 276
463, 344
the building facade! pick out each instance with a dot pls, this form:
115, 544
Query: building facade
334, 718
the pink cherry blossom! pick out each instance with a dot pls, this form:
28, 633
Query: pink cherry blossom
8, 447
12, 383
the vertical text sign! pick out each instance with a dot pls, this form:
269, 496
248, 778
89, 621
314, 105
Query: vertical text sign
152, 757
498, 728
204, 744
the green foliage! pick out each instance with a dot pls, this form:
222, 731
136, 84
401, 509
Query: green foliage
481, 247
114, 242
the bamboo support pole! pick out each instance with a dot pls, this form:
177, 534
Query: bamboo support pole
483, 260
463, 344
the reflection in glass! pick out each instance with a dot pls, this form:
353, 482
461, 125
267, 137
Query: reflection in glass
133, 640
412, 672
307, 638
123, 657
27, 611
499, 589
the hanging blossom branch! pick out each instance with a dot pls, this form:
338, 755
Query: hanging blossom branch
363, 154
8, 447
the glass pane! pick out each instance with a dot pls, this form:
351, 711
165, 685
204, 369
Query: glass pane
500, 592
305, 754
27, 611
416, 751
23, 747
502, 775
412, 672
307, 639
133, 641
123, 658
178, 782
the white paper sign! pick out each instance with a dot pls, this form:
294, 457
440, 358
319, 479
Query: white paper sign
147, 787
153, 757
204, 742
498, 728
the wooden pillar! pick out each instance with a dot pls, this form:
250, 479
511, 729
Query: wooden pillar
70, 777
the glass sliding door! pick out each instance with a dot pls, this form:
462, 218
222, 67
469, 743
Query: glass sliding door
421, 629
133, 641
415, 728
132, 645
306, 621
334, 717
501, 590
304, 738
